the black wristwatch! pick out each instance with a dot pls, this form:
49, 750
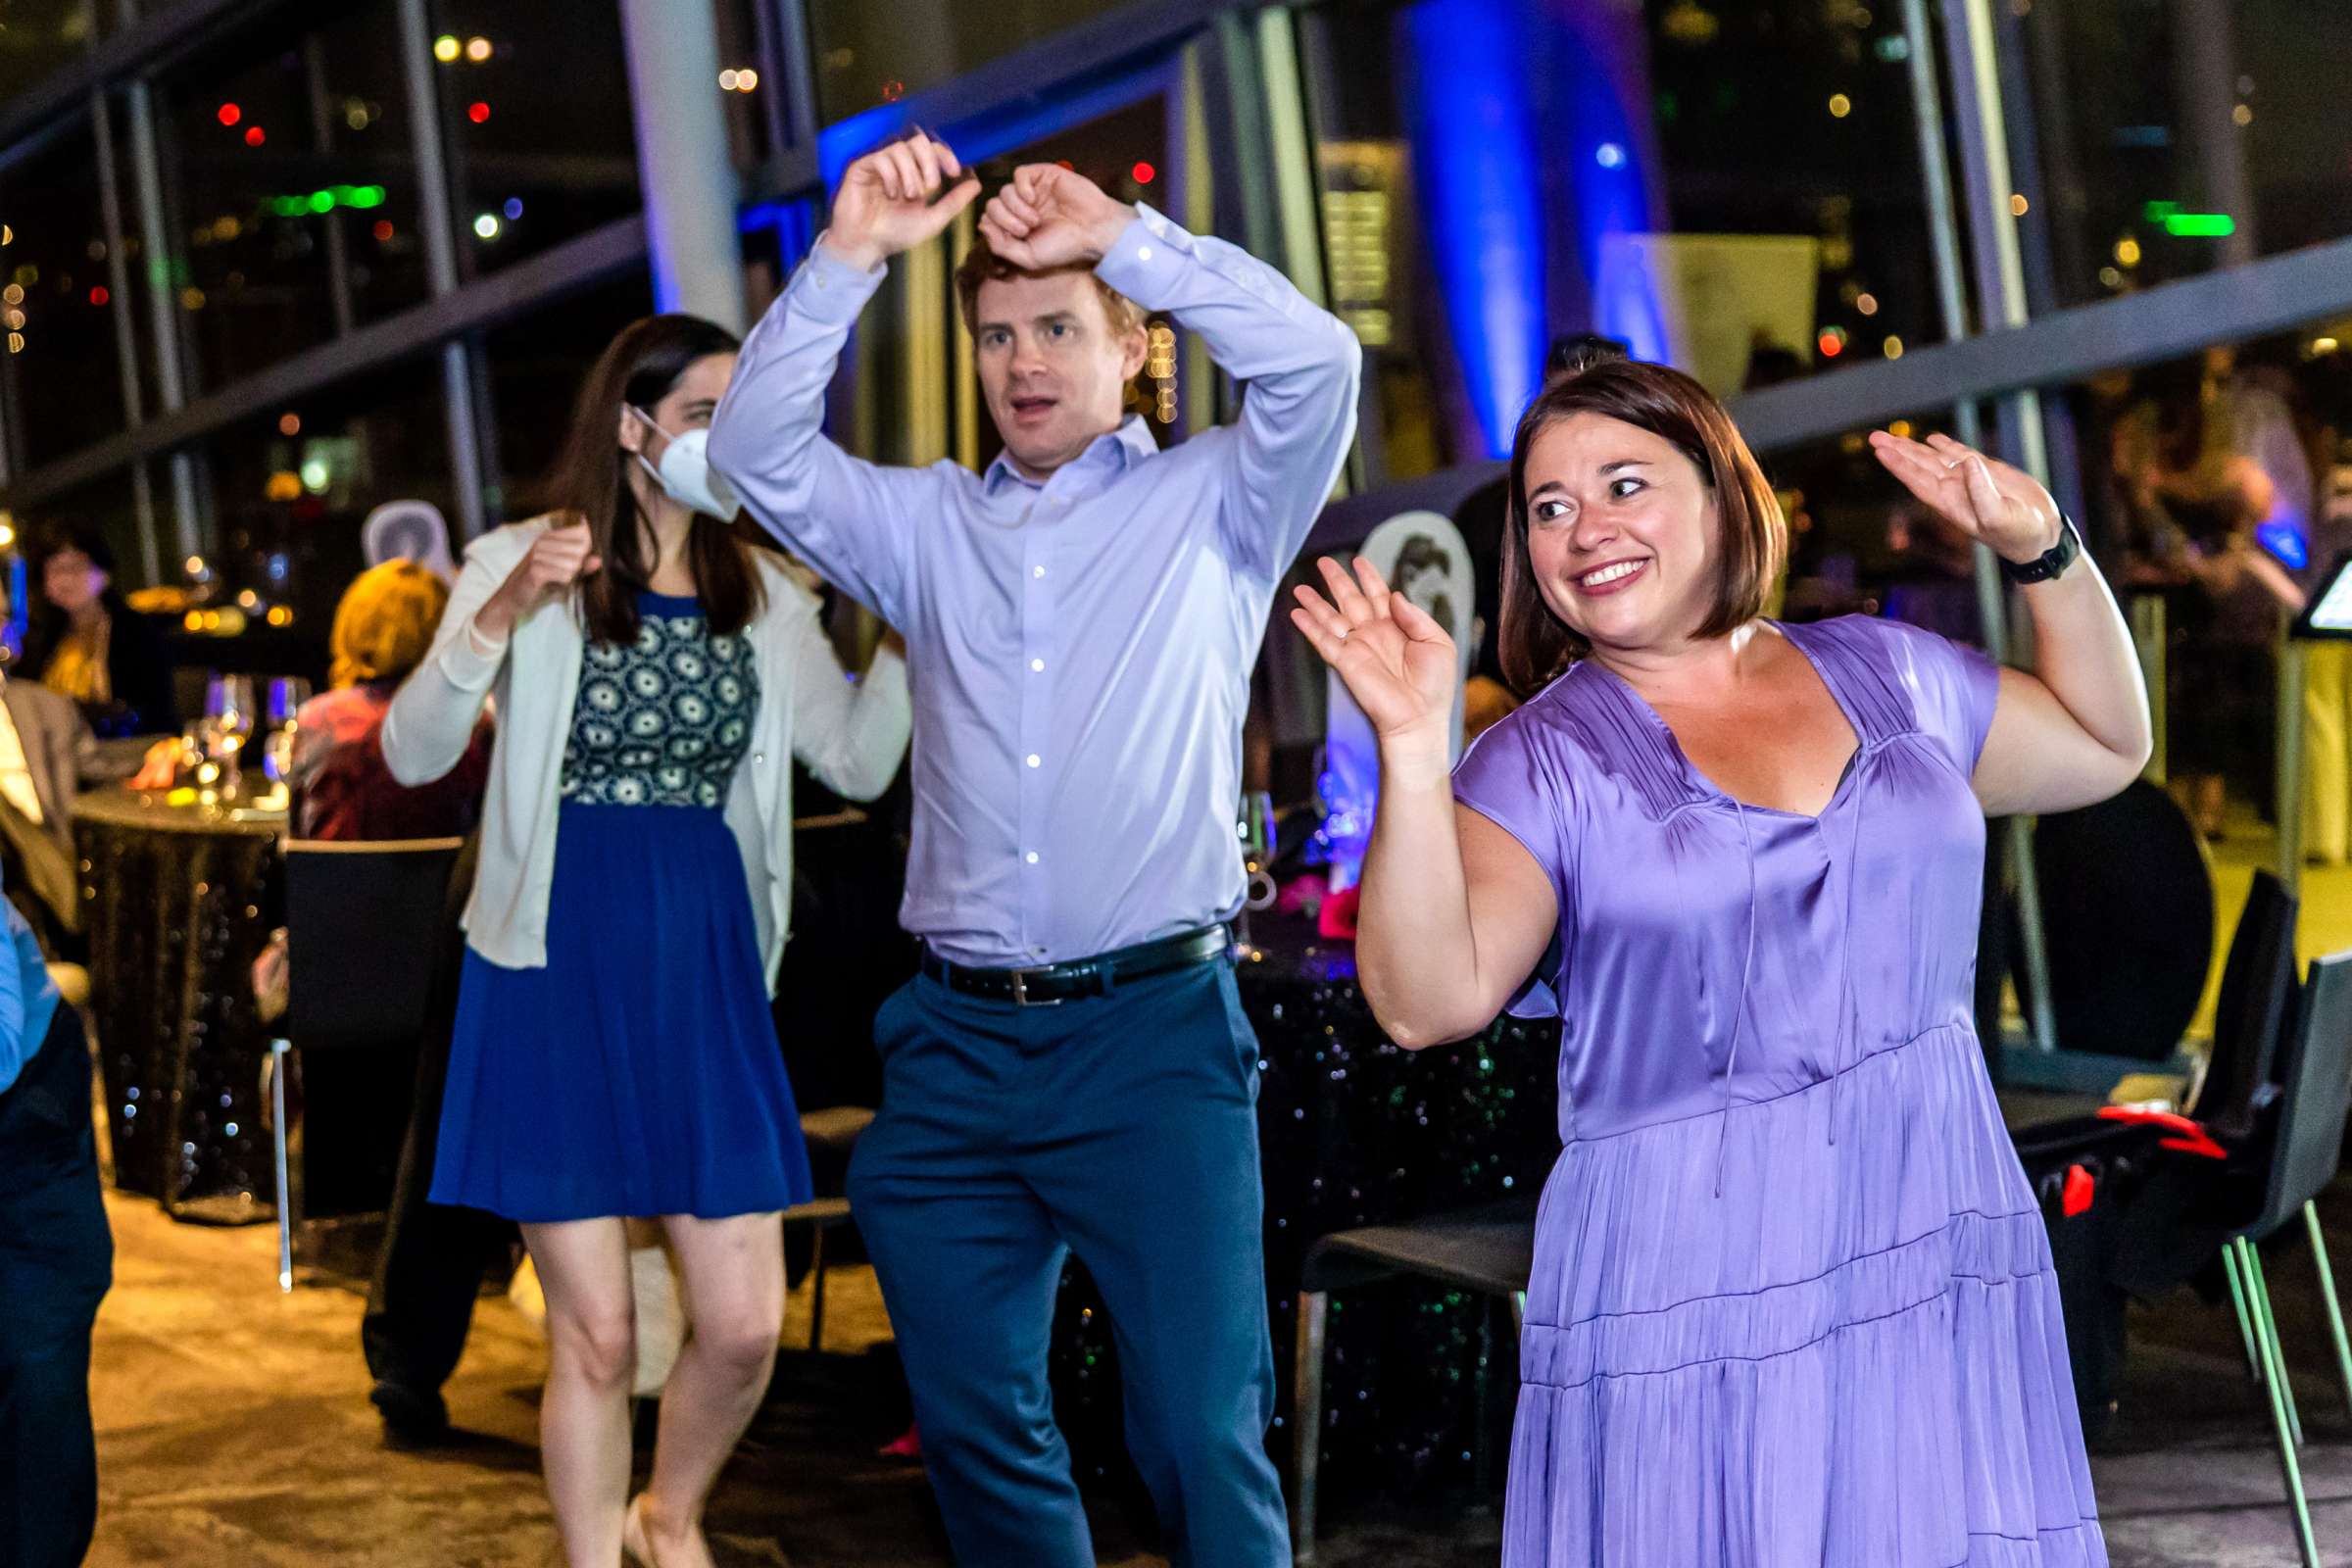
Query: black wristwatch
2051, 561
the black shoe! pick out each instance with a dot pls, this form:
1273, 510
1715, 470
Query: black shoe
412, 1419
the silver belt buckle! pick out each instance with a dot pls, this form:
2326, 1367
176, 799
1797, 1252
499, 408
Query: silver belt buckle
1020, 990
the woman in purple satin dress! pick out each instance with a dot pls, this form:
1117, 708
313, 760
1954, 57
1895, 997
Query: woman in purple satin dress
1793, 1300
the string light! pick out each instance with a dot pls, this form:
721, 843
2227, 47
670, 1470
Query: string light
383, 230
486, 225
253, 136
477, 111
477, 49
289, 425
1892, 347
230, 114
512, 208
1840, 106
99, 294
1143, 173
2018, 205
1867, 303
726, 80
445, 48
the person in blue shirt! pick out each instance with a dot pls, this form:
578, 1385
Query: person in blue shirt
1071, 1072
55, 1263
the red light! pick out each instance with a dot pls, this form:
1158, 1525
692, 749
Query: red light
253, 136
1829, 346
384, 229
2079, 1193
477, 111
1064, 163
99, 295
1143, 173
230, 114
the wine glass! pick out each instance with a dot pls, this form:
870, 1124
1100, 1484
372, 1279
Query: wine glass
287, 695
228, 703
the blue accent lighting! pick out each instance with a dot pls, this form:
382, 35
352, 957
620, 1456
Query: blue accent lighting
1475, 160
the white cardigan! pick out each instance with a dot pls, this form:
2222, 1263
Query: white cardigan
851, 737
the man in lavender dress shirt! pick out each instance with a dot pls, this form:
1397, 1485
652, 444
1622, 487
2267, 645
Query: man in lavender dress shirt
1072, 1070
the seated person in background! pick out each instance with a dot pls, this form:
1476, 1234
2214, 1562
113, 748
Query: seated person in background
420, 1300
55, 1261
86, 644
339, 785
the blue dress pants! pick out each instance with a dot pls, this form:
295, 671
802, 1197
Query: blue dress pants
1122, 1128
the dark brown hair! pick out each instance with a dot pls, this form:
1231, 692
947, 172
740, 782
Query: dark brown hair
1591, 377
980, 265
589, 482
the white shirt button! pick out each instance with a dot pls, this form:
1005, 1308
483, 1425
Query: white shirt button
1038, 664
1034, 760
1142, 253
1032, 856
1037, 571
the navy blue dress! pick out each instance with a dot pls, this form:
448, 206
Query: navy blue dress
638, 1073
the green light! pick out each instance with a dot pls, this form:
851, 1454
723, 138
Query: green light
2158, 212
288, 206
362, 196
323, 201
2200, 226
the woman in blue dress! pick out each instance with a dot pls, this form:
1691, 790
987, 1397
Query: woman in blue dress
615, 1056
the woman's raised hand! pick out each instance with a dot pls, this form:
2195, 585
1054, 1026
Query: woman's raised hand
1397, 662
2002, 508
557, 559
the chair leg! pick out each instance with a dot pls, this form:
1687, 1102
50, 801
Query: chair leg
2335, 1310
2245, 1315
816, 1295
1306, 1423
2275, 1382
2267, 1321
279, 1050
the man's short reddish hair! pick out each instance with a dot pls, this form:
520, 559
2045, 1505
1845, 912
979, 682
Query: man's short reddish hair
981, 264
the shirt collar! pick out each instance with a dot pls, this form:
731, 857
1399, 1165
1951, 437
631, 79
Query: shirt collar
1112, 453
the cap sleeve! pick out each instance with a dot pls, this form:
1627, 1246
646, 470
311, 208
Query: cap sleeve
1953, 689
1511, 776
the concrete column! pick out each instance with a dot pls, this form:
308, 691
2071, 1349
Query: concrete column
690, 186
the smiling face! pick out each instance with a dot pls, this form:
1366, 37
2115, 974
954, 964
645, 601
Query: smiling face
1052, 367
1622, 533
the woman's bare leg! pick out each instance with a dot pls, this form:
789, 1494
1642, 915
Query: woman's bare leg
591, 1363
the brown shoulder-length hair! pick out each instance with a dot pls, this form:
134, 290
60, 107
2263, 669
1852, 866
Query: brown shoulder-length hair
1589, 377
590, 480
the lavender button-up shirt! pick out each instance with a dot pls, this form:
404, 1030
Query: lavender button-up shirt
1079, 649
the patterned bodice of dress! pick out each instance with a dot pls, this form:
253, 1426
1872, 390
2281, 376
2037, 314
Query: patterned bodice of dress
663, 720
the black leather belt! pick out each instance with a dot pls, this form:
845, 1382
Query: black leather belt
1080, 977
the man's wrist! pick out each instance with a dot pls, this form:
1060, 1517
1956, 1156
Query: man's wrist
1106, 237
864, 256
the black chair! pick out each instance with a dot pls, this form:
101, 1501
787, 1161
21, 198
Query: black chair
2252, 1011
363, 932
2296, 1163
831, 1134
1488, 1250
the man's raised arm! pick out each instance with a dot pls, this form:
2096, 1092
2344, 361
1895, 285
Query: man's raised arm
853, 520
